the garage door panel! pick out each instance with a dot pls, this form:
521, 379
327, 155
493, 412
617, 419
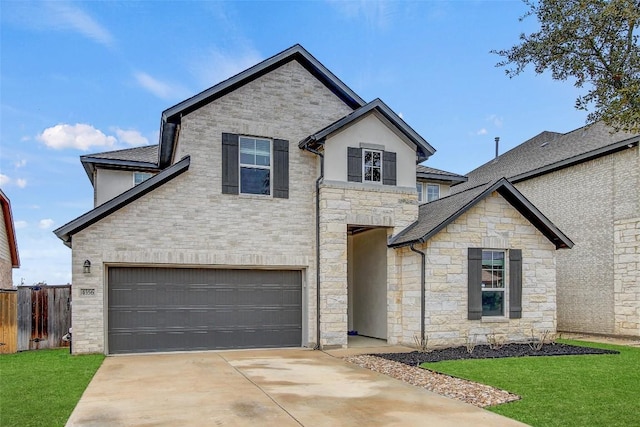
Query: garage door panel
162, 309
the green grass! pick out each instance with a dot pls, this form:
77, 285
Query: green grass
41, 388
590, 390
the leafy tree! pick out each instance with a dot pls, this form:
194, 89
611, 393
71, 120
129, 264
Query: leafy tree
593, 42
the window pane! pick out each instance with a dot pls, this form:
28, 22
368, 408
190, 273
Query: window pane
493, 303
433, 192
263, 152
419, 189
375, 175
247, 151
367, 173
376, 159
368, 158
255, 181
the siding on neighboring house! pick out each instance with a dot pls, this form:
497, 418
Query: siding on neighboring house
188, 221
6, 271
493, 224
593, 202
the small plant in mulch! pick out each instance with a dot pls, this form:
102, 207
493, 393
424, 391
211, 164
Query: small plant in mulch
495, 341
485, 351
470, 342
422, 343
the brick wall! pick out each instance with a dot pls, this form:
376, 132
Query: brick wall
585, 201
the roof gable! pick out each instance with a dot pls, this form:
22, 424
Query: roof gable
434, 216
11, 231
171, 117
424, 149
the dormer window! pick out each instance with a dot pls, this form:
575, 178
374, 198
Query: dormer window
372, 166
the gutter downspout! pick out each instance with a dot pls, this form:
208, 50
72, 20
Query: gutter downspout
311, 150
422, 289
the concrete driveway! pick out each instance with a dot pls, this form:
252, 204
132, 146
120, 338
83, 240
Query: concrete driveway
291, 387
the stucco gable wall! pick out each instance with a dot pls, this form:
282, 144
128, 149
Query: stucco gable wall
370, 130
187, 221
492, 223
586, 201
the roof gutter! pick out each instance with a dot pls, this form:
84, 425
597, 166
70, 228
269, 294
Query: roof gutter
306, 147
423, 293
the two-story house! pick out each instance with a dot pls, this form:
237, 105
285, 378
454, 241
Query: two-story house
281, 209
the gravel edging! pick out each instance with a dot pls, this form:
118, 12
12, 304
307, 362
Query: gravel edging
480, 395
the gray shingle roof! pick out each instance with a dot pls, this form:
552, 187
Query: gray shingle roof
549, 151
146, 154
138, 158
427, 172
434, 216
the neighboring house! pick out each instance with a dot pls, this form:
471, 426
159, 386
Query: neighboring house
587, 182
9, 258
284, 212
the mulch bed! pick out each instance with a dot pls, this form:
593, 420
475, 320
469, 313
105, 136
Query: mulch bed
483, 351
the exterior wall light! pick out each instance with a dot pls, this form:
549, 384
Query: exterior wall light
86, 267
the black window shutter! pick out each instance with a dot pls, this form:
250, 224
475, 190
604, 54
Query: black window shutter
474, 273
388, 168
515, 283
354, 164
230, 165
281, 168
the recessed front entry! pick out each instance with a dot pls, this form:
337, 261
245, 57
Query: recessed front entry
175, 309
367, 281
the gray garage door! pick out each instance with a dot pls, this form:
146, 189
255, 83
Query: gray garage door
172, 309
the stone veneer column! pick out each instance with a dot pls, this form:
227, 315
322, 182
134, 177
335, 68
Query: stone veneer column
626, 276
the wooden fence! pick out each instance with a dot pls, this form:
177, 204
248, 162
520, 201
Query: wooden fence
44, 316
8, 321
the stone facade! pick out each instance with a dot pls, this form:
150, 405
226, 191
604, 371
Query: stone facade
626, 277
586, 201
188, 222
344, 204
494, 224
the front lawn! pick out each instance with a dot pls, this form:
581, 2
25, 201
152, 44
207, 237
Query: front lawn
41, 388
590, 390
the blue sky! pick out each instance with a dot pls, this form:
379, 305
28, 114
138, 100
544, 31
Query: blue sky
87, 77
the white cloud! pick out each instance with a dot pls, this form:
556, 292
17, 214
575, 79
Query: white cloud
401, 116
67, 16
20, 224
79, 136
217, 65
20, 182
376, 13
495, 120
4, 179
45, 223
159, 88
131, 137
482, 131
20, 163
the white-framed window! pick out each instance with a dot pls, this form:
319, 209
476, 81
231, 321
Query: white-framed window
139, 177
427, 192
433, 192
372, 166
494, 294
255, 165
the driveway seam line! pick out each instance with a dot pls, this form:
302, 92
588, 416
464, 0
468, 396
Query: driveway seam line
261, 389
